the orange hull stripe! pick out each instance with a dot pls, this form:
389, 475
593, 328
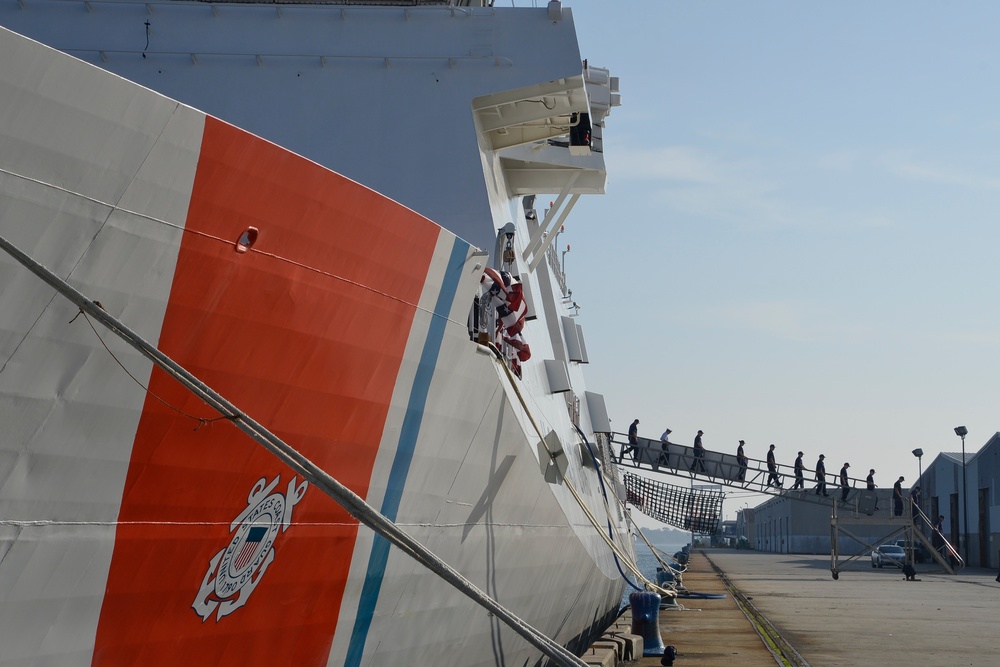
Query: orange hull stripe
288, 333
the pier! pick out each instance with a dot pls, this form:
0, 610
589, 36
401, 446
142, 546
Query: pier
785, 609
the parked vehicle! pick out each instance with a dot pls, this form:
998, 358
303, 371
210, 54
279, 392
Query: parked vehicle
920, 554
888, 554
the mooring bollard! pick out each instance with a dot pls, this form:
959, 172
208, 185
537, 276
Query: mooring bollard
646, 621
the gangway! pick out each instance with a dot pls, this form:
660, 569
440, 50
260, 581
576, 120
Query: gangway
675, 459
860, 509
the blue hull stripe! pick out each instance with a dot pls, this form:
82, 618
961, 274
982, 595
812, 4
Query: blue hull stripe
405, 448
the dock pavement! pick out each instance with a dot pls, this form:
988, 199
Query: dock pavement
787, 609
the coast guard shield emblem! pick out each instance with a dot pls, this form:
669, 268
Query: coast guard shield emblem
235, 571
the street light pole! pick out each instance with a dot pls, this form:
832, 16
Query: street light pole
961, 432
919, 453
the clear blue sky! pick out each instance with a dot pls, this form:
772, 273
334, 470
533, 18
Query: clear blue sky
800, 240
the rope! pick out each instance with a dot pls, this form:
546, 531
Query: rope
604, 493
350, 501
201, 420
572, 489
653, 549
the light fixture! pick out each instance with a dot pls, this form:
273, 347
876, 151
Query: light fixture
919, 453
961, 432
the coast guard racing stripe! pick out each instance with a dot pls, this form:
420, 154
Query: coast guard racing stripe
304, 332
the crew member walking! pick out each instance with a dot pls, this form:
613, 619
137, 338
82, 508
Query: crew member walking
698, 464
742, 460
821, 476
870, 484
845, 483
897, 497
772, 469
633, 442
800, 471
664, 459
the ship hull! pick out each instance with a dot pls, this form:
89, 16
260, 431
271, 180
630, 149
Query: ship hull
135, 526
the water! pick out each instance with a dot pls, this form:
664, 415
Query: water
647, 563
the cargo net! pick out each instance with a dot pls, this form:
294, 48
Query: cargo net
694, 510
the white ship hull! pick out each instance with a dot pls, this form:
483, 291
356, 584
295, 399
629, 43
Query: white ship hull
133, 530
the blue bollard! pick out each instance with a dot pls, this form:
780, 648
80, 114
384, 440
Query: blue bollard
646, 621
664, 576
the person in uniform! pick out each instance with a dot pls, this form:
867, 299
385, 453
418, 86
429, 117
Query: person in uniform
800, 472
897, 497
664, 459
743, 461
633, 442
772, 469
698, 464
821, 476
845, 483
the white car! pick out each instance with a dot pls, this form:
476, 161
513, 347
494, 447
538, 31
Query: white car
888, 554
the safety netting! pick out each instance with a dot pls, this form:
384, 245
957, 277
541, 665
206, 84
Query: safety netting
696, 510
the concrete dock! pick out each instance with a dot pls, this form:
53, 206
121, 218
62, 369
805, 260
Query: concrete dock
786, 609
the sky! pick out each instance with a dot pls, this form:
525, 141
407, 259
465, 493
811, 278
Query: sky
799, 240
